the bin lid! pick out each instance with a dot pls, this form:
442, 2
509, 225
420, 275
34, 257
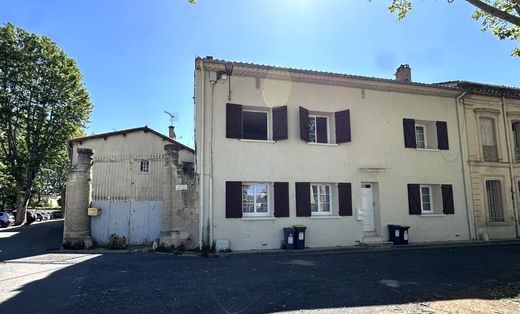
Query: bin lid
288, 229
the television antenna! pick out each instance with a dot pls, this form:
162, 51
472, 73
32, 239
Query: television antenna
173, 116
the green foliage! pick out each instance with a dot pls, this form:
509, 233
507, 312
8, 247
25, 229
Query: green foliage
116, 242
500, 17
43, 103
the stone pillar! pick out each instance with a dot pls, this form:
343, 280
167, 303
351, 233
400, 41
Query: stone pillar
76, 230
173, 229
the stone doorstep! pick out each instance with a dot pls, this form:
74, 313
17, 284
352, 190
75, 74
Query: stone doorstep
373, 240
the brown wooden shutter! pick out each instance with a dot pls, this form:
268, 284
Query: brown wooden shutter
303, 199
414, 199
280, 123
447, 199
442, 135
409, 133
281, 199
342, 122
304, 124
233, 121
345, 199
233, 199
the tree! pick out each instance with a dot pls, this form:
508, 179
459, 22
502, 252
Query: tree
43, 102
501, 17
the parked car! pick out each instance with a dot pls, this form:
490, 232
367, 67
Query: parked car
6, 219
39, 216
30, 217
46, 215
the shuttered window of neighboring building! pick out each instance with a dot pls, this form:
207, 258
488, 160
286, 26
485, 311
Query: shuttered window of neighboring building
488, 138
494, 201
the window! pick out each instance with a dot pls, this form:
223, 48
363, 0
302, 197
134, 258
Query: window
255, 199
494, 201
320, 199
426, 199
145, 166
489, 146
318, 129
254, 125
420, 136
516, 135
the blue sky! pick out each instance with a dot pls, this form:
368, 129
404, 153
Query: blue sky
137, 56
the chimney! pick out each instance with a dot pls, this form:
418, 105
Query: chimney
403, 73
171, 132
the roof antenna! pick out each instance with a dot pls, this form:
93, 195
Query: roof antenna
173, 117
171, 128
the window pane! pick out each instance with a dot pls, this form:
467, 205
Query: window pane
321, 130
254, 125
516, 133
261, 198
419, 137
248, 198
312, 129
314, 198
426, 199
494, 201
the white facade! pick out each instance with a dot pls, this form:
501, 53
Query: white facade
375, 157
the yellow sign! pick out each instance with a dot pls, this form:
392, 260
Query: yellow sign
94, 211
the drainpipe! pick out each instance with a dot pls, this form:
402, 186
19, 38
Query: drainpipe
201, 159
470, 216
212, 123
510, 161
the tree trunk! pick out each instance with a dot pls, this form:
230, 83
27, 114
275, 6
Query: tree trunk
21, 208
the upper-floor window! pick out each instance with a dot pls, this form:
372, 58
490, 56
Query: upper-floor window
256, 123
323, 127
424, 134
144, 166
488, 138
516, 135
318, 129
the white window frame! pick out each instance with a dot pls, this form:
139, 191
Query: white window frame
144, 162
269, 115
320, 212
314, 116
431, 199
255, 213
424, 135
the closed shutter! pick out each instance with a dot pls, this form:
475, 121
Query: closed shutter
303, 199
280, 123
345, 199
304, 124
414, 199
342, 122
281, 199
442, 135
233, 199
409, 133
447, 199
233, 121
321, 130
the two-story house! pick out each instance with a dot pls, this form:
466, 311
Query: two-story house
492, 123
343, 155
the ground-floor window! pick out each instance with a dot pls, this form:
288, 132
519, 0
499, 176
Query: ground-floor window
320, 199
255, 199
494, 201
426, 199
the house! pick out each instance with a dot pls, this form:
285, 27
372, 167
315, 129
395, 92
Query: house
492, 123
343, 155
133, 184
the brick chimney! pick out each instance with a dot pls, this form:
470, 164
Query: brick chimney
403, 73
171, 132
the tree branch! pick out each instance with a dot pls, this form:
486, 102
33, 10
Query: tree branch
496, 12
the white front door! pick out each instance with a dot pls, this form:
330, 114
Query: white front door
367, 201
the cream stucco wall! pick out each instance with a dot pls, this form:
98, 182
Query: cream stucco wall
503, 114
377, 141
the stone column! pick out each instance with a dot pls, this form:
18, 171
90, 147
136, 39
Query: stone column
173, 231
76, 230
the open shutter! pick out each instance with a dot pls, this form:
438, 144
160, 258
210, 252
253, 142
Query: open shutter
447, 199
281, 199
280, 123
233, 199
233, 121
345, 199
409, 133
304, 124
414, 199
303, 199
342, 122
321, 130
442, 135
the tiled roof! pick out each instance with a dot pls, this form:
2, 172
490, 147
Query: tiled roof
121, 132
484, 89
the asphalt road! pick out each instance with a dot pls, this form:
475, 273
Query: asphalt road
160, 283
